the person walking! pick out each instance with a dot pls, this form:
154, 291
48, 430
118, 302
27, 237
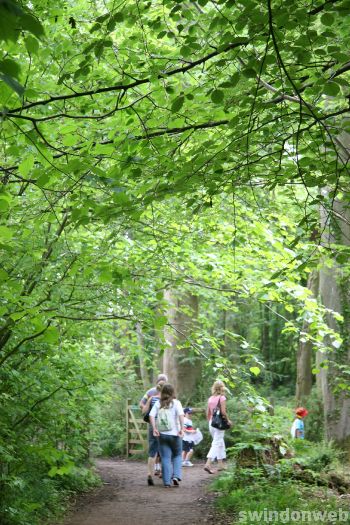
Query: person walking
192, 436
146, 403
153, 444
167, 421
297, 430
152, 391
218, 448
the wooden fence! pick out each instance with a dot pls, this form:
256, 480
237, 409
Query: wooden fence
136, 430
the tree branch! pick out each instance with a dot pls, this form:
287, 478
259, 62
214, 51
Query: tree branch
125, 87
106, 318
18, 346
322, 7
341, 70
19, 421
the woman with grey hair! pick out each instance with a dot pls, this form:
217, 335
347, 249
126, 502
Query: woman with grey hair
146, 403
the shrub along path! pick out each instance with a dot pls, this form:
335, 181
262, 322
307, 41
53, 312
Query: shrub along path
125, 498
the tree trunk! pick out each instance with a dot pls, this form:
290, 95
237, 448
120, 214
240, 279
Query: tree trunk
143, 369
334, 293
180, 361
265, 333
305, 352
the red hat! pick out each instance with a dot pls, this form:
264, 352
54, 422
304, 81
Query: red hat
301, 411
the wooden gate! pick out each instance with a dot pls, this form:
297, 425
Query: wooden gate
136, 430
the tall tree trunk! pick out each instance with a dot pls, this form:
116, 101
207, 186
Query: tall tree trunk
305, 351
180, 362
265, 333
334, 293
143, 369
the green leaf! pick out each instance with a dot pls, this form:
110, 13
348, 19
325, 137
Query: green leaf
327, 19
33, 25
249, 73
6, 233
32, 45
51, 335
4, 205
3, 310
177, 104
10, 67
254, 370
17, 315
217, 96
102, 18
160, 321
119, 16
234, 79
331, 89
13, 84
3, 275
105, 276
70, 140
26, 165
186, 51
43, 180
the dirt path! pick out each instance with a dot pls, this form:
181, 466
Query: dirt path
125, 499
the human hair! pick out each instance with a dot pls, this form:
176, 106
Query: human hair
162, 377
160, 385
218, 388
167, 394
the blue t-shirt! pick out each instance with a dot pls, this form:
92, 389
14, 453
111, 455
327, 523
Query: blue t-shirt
151, 392
299, 426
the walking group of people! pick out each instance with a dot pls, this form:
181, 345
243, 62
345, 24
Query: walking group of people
171, 435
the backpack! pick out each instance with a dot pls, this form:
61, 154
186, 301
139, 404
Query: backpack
164, 420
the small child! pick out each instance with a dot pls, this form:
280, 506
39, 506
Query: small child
190, 439
297, 430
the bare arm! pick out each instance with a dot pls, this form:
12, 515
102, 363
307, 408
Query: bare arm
145, 408
153, 423
223, 408
181, 431
223, 411
142, 402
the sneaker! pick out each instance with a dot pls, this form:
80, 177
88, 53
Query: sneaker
150, 481
176, 482
187, 464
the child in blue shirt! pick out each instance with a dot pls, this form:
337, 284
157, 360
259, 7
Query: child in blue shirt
297, 430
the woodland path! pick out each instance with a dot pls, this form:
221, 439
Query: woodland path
125, 499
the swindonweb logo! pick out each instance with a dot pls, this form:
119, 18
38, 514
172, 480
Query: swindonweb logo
290, 515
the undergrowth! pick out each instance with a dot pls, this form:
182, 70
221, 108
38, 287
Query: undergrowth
32, 500
271, 475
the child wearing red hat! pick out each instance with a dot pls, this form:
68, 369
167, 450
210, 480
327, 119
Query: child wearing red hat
297, 430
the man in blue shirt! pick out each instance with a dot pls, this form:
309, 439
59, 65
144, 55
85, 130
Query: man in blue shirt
153, 444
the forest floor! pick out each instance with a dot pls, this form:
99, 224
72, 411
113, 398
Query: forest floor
125, 499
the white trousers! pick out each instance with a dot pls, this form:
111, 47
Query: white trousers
217, 449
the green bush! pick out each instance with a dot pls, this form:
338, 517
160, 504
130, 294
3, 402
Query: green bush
317, 457
245, 491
